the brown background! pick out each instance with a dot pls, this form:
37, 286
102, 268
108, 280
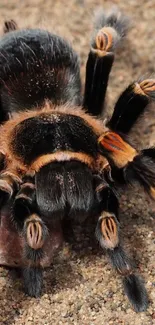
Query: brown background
81, 288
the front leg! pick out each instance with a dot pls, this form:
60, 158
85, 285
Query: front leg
109, 31
107, 233
131, 105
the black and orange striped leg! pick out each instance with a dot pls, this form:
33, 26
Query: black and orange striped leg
129, 165
106, 207
9, 26
34, 233
109, 31
97, 75
131, 105
107, 233
107, 230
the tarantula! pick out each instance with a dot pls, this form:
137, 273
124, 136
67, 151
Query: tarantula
59, 160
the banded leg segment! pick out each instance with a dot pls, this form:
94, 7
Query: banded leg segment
107, 232
109, 31
129, 164
131, 105
107, 208
34, 232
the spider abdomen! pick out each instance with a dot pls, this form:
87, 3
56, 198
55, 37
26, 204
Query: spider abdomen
37, 65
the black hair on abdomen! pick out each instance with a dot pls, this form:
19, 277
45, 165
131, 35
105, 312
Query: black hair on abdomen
36, 65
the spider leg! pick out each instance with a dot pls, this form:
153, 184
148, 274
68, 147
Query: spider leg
9, 26
9, 185
34, 233
128, 164
131, 105
109, 31
107, 233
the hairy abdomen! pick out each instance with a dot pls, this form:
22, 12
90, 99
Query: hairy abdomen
36, 65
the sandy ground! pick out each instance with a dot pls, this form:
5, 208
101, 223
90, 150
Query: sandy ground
81, 288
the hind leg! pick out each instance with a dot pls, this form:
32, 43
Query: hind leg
107, 233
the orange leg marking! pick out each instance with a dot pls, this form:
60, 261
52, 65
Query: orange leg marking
109, 231
116, 148
34, 232
104, 39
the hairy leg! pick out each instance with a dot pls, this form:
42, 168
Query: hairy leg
34, 233
109, 30
129, 165
107, 233
131, 105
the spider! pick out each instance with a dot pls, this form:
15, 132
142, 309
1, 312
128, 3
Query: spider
60, 161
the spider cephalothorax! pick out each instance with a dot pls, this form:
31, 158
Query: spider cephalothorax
59, 160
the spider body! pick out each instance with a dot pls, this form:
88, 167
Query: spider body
59, 160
